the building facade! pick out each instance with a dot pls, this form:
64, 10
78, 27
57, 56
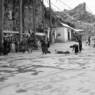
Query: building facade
63, 34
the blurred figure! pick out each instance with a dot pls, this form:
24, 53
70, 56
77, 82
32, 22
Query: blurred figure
6, 46
94, 42
75, 48
80, 45
79, 40
30, 44
89, 40
43, 46
23, 46
17, 46
13, 49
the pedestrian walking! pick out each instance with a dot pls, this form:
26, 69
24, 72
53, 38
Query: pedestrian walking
94, 42
89, 40
79, 40
6, 45
30, 44
80, 45
13, 48
43, 46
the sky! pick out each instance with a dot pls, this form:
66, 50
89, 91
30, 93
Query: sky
60, 5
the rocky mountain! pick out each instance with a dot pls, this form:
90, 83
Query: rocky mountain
80, 13
79, 17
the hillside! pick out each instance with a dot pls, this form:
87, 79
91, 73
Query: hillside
79, 17
80, 13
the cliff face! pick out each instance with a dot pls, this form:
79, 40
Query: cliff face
28, 15
12, 14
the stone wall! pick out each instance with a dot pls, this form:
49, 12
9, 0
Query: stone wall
11, 15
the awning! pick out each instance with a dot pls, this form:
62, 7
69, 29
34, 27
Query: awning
78, 30
65, 25
10, 32
75, 30
40, 34
26, 34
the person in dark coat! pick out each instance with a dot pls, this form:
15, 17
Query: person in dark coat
89, 40
30, 44
6, 46
43, 46
80, 43
75, 48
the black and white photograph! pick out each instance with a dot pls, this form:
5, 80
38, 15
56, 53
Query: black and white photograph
47, 47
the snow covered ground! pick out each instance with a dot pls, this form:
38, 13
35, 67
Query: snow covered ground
51, 74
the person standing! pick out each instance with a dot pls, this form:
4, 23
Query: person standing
30, 44
80, 44
89, 40
13, 47
6, 46
44, 46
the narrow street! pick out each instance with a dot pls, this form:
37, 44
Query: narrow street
51, 74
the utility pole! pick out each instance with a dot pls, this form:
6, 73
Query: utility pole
43, 12
21, 25
34, 18
50, 12
50, 19
2, 20
1, 24
34, 22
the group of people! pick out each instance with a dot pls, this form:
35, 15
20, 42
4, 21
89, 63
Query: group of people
10, 45
29, 43
26, 44
14, 45
77, 48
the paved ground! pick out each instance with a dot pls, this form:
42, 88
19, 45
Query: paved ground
51, 74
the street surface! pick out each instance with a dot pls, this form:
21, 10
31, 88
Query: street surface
51, 74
